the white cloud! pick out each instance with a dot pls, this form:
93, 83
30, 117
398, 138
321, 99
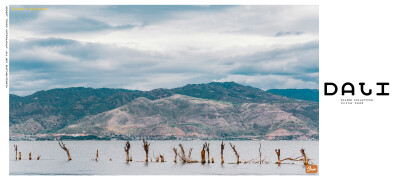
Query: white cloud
166, 48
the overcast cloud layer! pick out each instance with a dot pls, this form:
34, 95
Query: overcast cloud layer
148, 47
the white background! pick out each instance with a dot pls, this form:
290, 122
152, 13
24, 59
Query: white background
359, 42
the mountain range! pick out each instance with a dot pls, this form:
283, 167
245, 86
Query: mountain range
217, 110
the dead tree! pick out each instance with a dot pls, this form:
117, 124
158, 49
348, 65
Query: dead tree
159, 157
278, 153
182, 156
162, 158
189, 158
30, 156
97, 154
19, 158
259, 150
236, 153
62, 145
146, 148
176, 153
190, 153
186, 159
16, 151
305, 160
222, 152
127, 147
38, 157
203, 154
208, 151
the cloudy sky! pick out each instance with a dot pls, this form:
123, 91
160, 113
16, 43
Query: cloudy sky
148, 47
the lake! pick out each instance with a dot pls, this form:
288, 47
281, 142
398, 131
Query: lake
53, 159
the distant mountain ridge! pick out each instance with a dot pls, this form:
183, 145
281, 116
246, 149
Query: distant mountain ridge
56, 110
181, 115
302, 94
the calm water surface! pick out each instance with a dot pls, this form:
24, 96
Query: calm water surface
53, 159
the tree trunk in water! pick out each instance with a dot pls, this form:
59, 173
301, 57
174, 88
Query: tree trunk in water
69, 156
190, 155
278, 153
16, 152
208, 151
162, 158
146, 146
97, 154
127, 156
208, 155
176, 153
184, 160
236, 153
127, 147
203, 154
305, 160
62, 145
259, 150
222, 152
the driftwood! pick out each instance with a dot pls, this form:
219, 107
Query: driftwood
126, 148
236, 153
257, 160
146, 146
16, 151
222, 152
62, 145
300, 158
176, 153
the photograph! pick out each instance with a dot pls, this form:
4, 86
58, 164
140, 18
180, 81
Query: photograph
163, 89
